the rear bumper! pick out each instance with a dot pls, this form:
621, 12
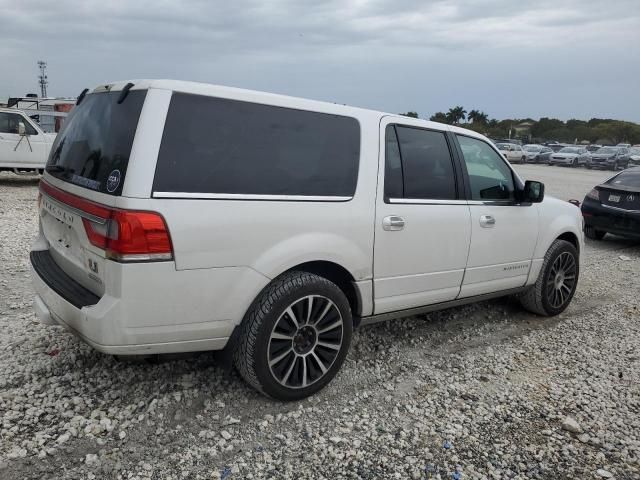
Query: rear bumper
612, 220
152, 308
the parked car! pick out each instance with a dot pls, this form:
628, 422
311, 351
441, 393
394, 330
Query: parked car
609, 157
623, 145
24, 146
593, 148
512, 152
257, 235
614, 206
537, 153
570, 156
634, 156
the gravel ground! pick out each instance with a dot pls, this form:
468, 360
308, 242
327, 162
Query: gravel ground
482, 391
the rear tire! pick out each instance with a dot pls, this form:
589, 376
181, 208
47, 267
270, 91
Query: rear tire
556, 283
294, 337
591, 232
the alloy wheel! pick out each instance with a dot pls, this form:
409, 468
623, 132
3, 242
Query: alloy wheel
305, 341
561, 280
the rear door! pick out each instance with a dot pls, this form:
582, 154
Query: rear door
503, 232
422, 229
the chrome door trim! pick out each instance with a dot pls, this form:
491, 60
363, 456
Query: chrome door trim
244, 196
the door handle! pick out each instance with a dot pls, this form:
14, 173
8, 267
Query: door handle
487, 221
392, 223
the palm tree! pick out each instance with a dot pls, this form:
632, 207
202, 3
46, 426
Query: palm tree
455, 114
439, 117
476, 116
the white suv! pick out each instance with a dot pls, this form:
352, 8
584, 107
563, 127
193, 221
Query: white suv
178, 216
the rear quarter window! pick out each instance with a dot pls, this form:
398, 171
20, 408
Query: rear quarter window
220, 146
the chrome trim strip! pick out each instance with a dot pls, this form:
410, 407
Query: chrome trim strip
78, 212
419, 201
245, 196
620, 209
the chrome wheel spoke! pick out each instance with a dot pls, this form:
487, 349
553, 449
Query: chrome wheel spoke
280, 357
335, 324
292, 317
331, 346
305, 341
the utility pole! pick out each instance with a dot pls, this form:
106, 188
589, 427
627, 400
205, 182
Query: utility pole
42, 78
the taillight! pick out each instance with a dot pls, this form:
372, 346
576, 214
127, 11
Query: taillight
594, 194
124, 235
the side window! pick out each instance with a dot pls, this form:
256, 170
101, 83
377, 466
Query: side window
427, 167
27, 126
9, 123
489, 176
222, 146
393, 182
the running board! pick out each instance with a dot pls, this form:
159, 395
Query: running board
383, 317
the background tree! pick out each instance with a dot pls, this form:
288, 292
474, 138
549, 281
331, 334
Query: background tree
411, 114
476, 116
456, 114
440, 117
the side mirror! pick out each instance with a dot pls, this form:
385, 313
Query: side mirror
22, 130
533, 191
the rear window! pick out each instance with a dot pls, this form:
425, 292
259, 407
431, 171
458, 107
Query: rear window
92, 149
221, 146
628, 178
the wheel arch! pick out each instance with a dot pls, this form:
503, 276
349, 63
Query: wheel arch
337, 274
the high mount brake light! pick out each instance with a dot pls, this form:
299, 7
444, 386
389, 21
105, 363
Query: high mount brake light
124, 235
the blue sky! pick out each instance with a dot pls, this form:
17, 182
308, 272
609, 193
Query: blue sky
562, 58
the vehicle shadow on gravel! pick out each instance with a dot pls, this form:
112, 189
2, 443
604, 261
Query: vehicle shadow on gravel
18, 181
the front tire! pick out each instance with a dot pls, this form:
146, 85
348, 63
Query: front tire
295, 336
556, 283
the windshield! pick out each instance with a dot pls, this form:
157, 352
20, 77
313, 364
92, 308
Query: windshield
569, 150
532, 148
92, 149
607, 150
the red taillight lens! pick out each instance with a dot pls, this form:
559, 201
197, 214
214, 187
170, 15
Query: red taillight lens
125, 235
594, 194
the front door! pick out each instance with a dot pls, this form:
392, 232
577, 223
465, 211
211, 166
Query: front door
503, 232
423, 225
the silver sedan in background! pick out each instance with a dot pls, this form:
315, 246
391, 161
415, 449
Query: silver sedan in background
570, 156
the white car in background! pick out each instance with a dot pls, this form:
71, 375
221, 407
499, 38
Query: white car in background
24, 146
634, 156
571, 156
512, 152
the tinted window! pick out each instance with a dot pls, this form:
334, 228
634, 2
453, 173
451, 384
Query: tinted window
92, 149
628, 178
489, 176
213, 145
393, 182
426, 164
9, 124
